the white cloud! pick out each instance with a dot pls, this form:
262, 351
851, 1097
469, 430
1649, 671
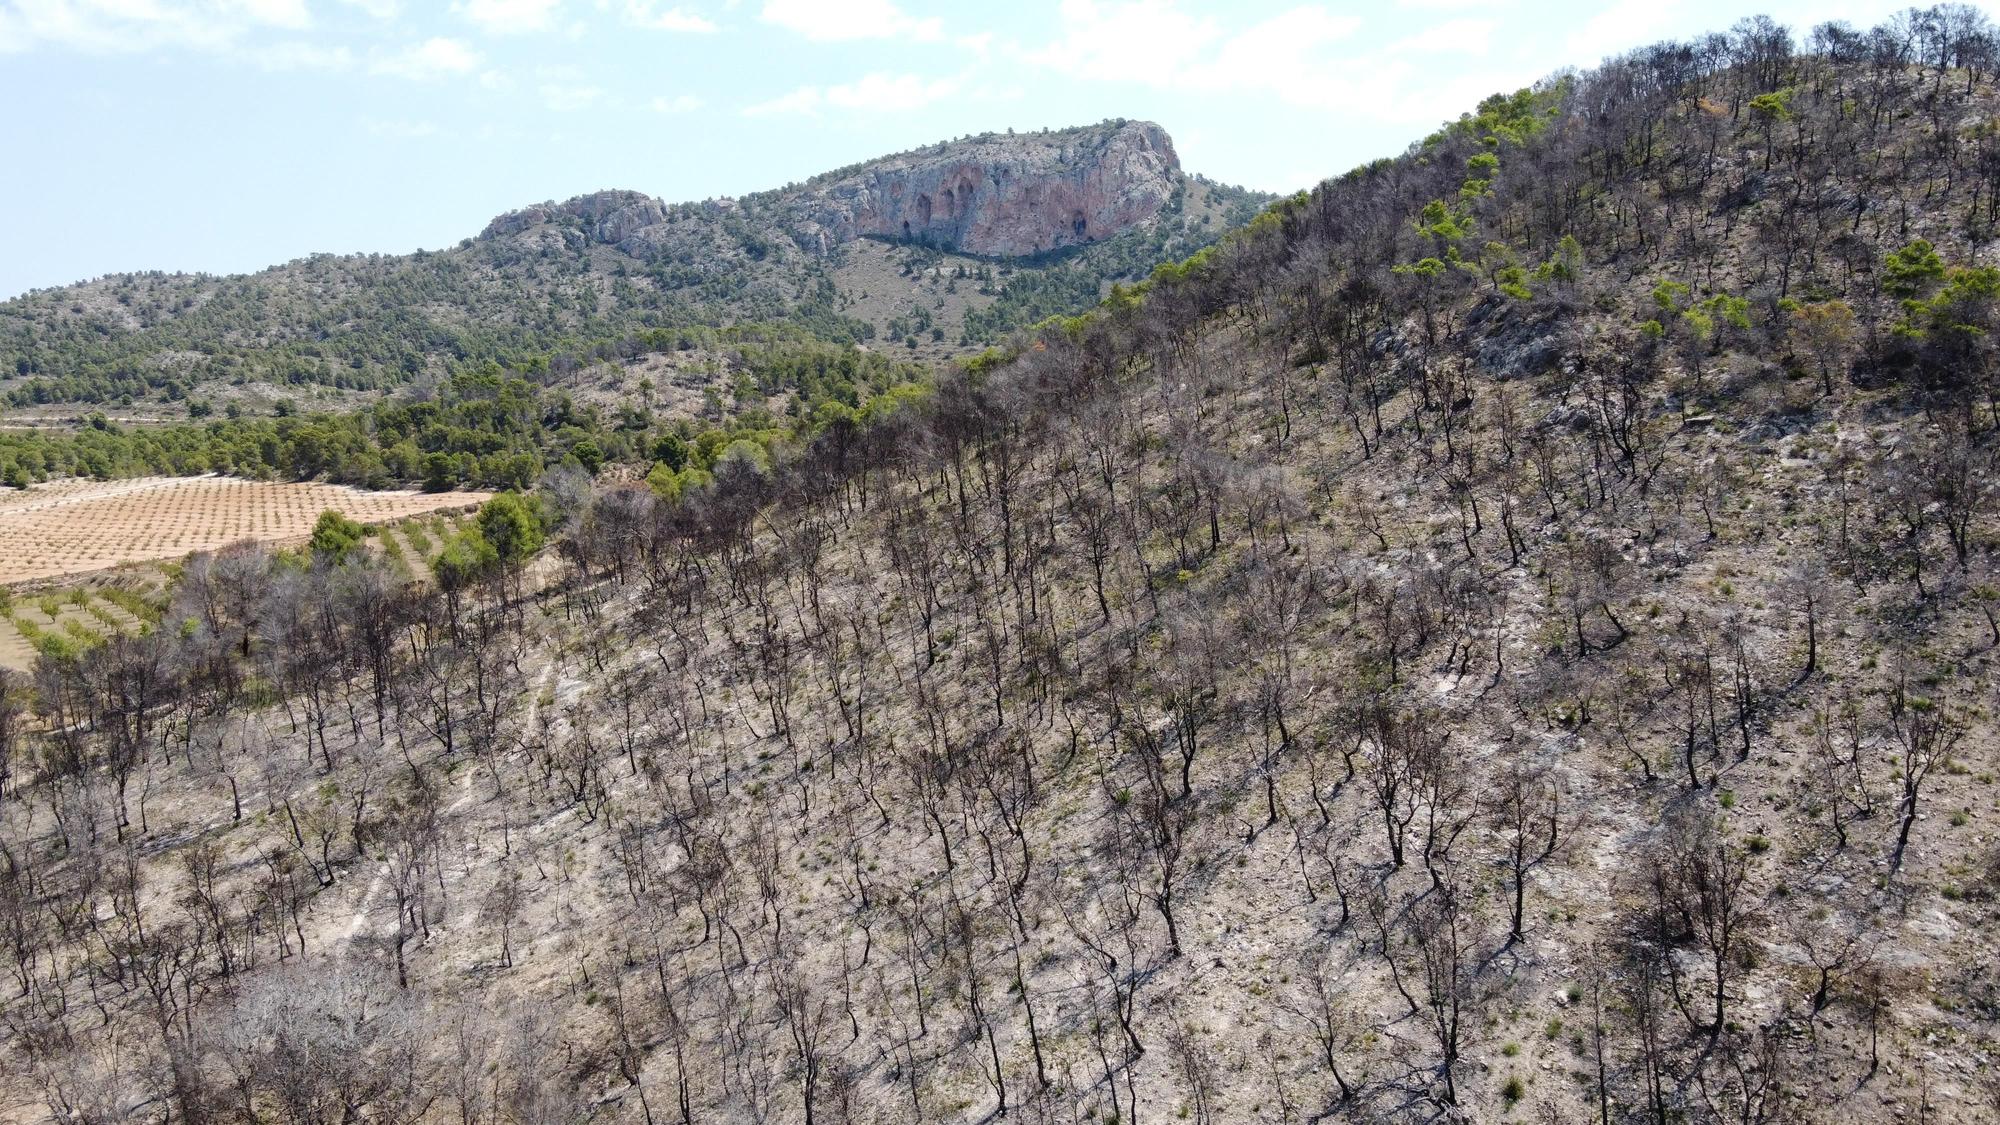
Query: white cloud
302, 56
833, 20
509, 17
1619, 27
644, 13
805, 99
118, 26
1148, 41
873, 93
277, 13
1285, 55
379, 9
1159, 43
680, 103
134, 26
1305, 56
433, 58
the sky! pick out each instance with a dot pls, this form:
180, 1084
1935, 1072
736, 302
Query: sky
228, 135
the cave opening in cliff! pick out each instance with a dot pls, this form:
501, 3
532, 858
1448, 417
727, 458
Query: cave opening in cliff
923, 210
950, 201
1079, 224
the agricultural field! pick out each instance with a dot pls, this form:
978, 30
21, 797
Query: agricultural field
81, 610
411, 544
130, 599
78, 527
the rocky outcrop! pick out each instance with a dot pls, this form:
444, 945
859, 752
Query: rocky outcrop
606, 216
998, 195
1006, 196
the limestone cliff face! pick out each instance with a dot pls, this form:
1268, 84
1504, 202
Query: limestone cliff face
1006, 196
1001, 195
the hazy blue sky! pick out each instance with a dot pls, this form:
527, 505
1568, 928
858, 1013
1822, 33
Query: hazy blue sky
226, 135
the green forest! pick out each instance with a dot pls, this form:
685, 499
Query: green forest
487, 426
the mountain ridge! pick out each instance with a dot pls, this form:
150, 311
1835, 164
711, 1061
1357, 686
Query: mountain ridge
1000, 195
1096, 203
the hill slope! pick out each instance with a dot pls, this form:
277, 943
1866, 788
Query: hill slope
1508, 635
1099, 203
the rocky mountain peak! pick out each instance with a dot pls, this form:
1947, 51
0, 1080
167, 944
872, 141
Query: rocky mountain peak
998, 194
1004, 195
604, 213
